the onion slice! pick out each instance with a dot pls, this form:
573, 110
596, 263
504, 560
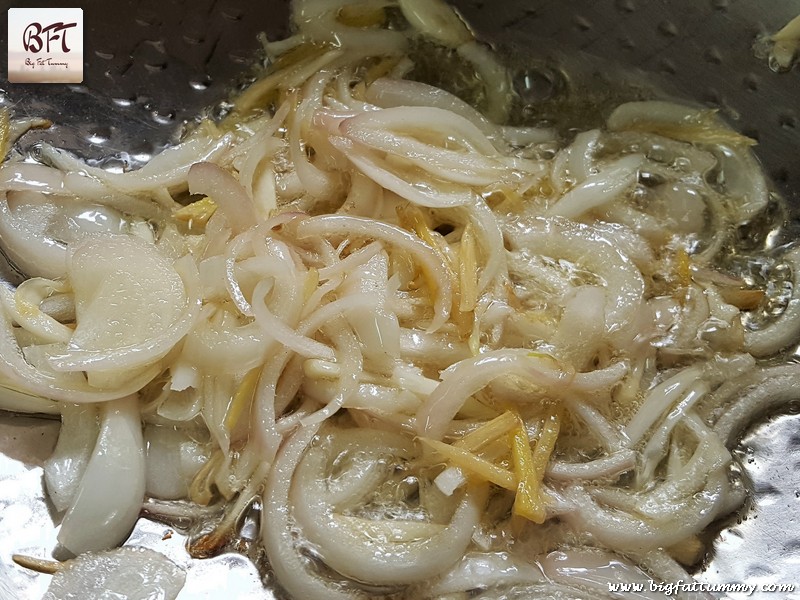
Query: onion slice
129, 573
229, 195
64, 469
107, 502
113, 334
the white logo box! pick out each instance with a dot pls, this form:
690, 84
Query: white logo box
45, 45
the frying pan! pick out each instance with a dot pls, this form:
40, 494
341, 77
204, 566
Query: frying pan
151, 66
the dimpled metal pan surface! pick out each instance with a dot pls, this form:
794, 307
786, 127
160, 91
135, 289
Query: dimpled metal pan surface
151, 66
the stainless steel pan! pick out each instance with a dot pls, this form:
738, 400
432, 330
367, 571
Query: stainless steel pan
152, 65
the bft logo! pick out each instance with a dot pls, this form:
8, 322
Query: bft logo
45, 45
32, 36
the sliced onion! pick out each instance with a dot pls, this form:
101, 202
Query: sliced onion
24, 240
608, 467
35, 229
495, 77
620, 529
430, 193
286, 335
490, 240
431, 348
436, 19
64, 469
606, 432
23, 176
14, 400
367, 41
656, 447
229, 195
785, 329
290, 568
659, 399
173, 459
592, 250
580, 329
318, 183
21, 374
608, 183
446, 127
351, 364
481, 570
467, 377
377, 329
741, 401
394, 555
128, 573
222, 345
107, 502
597, 570
389, 93
581, 155
158, 307
459, 167
342, 225
167, 169
27, 311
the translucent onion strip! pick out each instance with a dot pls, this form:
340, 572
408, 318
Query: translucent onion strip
155, 339
226, 191
64, 470
388, 93
167, 169
620, 529
49, 384
342, 225
430, 194
478, 570
467, 377
607, 467
786, 328
609, 182
743, 400
277, 328
428, 122
291, 569
24, 242
27, 313
106, 504
469, 168
593, 251
381, 561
